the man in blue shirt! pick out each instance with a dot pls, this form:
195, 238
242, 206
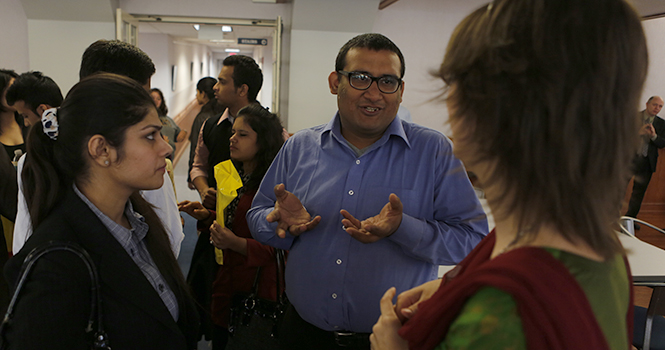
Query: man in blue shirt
389, 203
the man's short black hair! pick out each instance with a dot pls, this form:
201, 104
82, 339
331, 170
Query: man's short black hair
119, 57
6, 75
34, 88
371, 41
246, 71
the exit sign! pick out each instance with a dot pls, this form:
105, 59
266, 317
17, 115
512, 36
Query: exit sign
252, 41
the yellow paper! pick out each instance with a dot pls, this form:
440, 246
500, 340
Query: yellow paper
228, 182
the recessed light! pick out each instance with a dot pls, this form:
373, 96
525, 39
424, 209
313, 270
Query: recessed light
227, 29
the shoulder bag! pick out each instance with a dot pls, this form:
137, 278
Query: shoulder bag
254, 322
98, 338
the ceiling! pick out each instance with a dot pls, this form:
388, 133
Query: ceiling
646, 8
186, 32
102, 10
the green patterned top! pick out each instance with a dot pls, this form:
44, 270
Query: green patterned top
489, 319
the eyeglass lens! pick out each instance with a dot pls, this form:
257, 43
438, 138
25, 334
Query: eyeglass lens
387, 84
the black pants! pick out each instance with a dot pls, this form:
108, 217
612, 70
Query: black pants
298, 334
643, 172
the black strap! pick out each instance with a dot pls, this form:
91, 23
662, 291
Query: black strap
279, 256
100, 340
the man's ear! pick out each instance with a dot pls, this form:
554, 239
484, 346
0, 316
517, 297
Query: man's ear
100, 151
41, 108
333, 82
243, 90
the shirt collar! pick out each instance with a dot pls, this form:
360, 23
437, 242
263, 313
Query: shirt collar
394, 128
226, 115
139, 227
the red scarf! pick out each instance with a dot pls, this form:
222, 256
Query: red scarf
554, 310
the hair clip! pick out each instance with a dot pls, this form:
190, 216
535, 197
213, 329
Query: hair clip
50, 123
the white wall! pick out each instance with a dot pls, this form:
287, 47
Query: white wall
319, 29
56, 47
654, 30
158, 46
14, 41
312, 60
421, 29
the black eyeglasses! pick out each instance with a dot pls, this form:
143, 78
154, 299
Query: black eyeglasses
388, 84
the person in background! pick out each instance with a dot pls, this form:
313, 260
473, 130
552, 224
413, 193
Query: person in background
31, 95
390, 200
170, 130
12, 130
645, 160
560, 80
205, 96
87, 167
256, 139
115, 56
237, 86
8, 184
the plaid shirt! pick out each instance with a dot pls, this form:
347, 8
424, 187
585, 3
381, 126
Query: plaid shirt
133, 243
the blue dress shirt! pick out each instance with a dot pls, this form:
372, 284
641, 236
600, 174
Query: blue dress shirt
334, 281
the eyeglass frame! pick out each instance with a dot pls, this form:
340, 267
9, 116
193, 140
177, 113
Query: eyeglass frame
373, 78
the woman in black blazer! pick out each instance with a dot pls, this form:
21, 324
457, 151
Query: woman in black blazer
83, 174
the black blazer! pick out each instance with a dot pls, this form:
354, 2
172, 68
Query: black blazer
54, 305
659, 142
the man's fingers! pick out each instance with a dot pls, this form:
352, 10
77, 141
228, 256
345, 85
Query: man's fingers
312, 224
352, 220
281, 233
387, 307
280, 191
274, 216
361, 235
395, 202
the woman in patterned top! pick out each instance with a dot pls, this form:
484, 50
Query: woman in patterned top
542, 97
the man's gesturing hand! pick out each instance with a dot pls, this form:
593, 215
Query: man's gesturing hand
290, 214
376, 227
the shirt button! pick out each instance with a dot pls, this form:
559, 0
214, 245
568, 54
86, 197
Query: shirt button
131, 250
339, 261
351, 192
161, 287
357, 161
334, 295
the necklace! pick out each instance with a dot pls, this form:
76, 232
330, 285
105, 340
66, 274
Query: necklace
512, 243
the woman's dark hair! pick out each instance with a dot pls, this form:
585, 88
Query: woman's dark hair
269, 137
102, 104
162, 109
6, 75
547, 91
205, 85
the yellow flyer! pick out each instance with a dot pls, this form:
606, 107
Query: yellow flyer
228, 182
